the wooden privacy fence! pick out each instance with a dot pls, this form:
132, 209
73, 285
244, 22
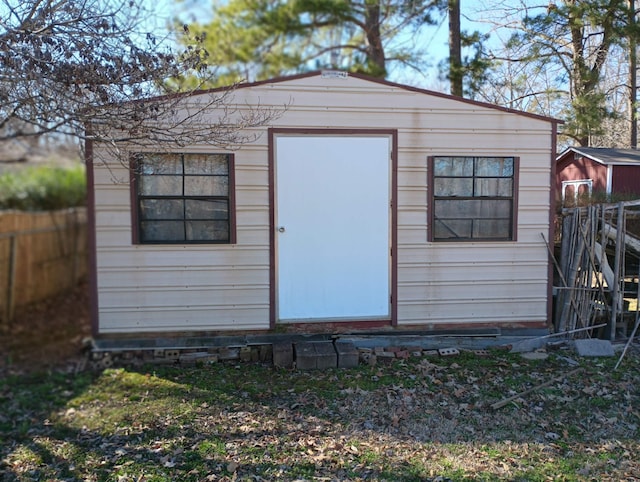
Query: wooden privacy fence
41, 254
599, 269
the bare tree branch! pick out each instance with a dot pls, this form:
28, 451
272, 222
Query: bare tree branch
70, 64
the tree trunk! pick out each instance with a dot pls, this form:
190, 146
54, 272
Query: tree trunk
375, 49
633, 81
455, 53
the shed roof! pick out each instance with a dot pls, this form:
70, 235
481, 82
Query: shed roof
605, 155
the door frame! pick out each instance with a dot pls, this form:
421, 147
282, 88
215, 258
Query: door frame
333, 325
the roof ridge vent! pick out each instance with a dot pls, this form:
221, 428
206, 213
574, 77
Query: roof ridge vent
334, 74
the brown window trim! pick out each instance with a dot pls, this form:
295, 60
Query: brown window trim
431, 204
134, 206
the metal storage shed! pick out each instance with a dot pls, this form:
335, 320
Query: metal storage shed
366, 205
585, 170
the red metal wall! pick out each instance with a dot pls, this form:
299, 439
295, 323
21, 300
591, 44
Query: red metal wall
625, 180
575, 169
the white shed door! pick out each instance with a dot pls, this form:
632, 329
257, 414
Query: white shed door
332, 224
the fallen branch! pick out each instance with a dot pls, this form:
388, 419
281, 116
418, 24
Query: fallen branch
506, 401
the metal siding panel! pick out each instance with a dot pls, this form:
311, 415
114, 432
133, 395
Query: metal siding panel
427, 125
180, 318
583, 168
220, 296
625, 180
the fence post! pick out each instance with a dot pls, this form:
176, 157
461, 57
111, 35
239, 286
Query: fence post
13, 247
619, 259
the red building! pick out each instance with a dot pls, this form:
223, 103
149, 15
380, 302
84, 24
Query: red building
586, 170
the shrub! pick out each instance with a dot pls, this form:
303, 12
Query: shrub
43, 188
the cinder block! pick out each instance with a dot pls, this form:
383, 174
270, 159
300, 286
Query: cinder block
366, 356
448, 351
172, 354
326, 356
266, 353
319, 354
306, 358
385, 357
228, 353
404, 354
255, 354
197, 357
245, 353
158, 353
347, 354
386, 354
282, 355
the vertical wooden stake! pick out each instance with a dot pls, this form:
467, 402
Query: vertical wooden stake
615, 294
13, 247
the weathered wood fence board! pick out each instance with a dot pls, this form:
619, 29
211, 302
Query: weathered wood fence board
41, 254
599, 258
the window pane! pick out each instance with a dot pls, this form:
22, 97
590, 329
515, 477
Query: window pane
494, 166
183, 197
452, 228
497, 209
456, 186
207, 209
161, 209
453, 166
473, 208
149, 164
453, 209
494, 187
160, 185
207, 230
206, 185
161, 231
492, 228
206, 164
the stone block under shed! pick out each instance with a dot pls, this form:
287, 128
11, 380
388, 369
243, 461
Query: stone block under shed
315, 354
283, 355
348, 355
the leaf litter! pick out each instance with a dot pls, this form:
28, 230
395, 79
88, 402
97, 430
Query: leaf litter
419, 419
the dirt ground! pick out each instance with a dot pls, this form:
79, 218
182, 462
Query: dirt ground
48, 335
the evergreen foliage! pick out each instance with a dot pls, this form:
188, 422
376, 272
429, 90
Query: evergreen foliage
249, 40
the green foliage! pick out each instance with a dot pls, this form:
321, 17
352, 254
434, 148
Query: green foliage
574, 39
250, 40
43, 188
476, 63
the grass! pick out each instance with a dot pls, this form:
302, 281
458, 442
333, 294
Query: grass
422, 419
43, 188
